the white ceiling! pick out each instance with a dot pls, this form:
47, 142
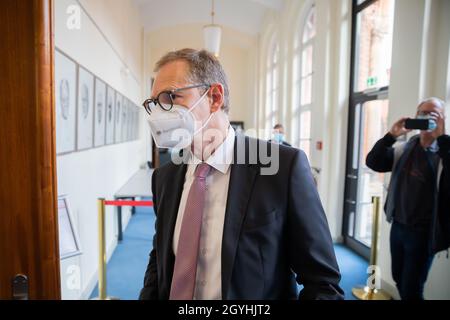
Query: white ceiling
242, 15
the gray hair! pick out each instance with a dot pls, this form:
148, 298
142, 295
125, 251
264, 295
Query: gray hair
204, 67
436, 101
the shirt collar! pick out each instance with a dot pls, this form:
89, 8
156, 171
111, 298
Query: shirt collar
434, 147
222, 157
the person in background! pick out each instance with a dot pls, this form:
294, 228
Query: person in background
418, 199
279, 136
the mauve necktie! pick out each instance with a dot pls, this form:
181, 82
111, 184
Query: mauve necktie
184, 273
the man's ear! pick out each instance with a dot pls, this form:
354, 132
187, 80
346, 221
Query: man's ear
216, 96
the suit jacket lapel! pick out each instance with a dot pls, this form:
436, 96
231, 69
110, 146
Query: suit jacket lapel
242, 177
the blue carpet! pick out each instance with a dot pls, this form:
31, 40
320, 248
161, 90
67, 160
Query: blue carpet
353, 269
126, 268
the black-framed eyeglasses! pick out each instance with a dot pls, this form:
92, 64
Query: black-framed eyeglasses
424, 113
165, 98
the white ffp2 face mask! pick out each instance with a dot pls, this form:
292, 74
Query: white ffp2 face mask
175, 128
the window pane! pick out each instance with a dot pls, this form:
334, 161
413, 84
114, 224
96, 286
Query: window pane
364, 219
351, 224
298, 41
305, 125
310, 26
305, 145
296, 69
307, 60
296, 98
274, 102
374, 45
295, 136
296, 88
275, 78
370, 183
306, 91
375, 125
275, 54
268, 91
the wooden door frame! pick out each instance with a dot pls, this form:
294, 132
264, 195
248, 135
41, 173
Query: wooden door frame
28, 192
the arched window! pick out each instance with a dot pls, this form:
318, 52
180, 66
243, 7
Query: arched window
272, 83
303, 82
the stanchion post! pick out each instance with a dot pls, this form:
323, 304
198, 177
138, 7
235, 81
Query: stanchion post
101, 203
375, 229
366, 292
102, 250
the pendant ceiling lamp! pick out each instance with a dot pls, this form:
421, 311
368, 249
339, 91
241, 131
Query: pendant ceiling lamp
212, 34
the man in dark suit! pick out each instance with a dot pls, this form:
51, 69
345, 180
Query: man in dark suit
230, 224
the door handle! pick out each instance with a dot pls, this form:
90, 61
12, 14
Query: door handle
20, 287
350, 201
352, 176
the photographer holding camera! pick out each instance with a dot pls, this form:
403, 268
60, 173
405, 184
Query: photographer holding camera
418, 199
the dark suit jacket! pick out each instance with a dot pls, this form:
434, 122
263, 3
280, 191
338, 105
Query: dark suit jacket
275, 232
284, 143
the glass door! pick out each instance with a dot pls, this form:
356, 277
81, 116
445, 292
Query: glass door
369, 105
369, 125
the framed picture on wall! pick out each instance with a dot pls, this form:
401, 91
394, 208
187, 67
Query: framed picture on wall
69, 243
85, 111
100, 113
65, 98
124, 122
118, 118
130, 121
131, 131
136, 123
110, 115
127, 122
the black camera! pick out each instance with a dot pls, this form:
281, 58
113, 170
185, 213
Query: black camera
420, 124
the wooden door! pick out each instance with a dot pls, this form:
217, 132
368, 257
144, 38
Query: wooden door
28, 193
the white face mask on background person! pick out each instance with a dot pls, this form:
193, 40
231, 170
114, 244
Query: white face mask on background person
175, 128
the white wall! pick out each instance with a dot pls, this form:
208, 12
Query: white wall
333, 156
237, 55
109, 40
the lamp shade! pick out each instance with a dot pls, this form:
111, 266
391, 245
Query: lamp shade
212, 34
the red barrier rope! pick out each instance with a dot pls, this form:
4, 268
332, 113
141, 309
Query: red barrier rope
121, 203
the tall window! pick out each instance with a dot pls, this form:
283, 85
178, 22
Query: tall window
303, 81
373, 45
272, 84
373, 24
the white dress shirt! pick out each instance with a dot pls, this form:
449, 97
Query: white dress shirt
209, 265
